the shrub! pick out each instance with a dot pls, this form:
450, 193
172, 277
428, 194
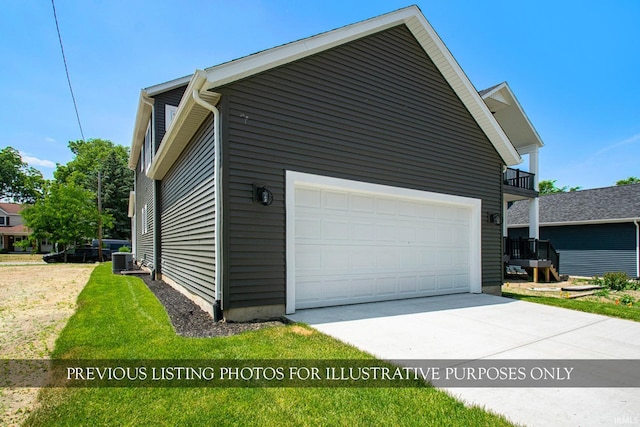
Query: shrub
616, 281
124, 249
627, 300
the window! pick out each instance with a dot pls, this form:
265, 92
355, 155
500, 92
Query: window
2, 220
169, 113
147, 149
145, 221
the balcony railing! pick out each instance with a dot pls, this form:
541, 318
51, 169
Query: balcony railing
532, 249
519, 179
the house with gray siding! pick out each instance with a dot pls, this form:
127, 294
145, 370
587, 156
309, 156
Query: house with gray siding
595, 231
353, 166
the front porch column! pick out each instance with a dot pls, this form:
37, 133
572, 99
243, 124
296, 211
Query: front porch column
534, 205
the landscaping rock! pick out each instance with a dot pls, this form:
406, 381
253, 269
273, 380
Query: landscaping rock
189, 320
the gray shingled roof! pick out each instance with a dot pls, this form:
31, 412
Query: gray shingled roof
599, 204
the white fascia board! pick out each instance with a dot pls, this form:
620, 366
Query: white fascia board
495, 89
167, 86
413, 18
586, 222
140, 127
182, 127
453, 73
280, 55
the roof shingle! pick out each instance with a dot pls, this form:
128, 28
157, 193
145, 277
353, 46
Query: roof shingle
598, 204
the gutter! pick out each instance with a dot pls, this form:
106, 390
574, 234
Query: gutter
195, 94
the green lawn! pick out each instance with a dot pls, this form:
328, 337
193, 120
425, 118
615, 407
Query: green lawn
607, 309
119, 318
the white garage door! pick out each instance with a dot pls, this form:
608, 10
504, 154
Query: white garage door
359, 242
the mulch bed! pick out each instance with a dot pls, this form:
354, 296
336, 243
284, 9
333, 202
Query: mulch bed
189, 320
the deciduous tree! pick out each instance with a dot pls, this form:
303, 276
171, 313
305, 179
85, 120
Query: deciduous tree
66, 214
549, 187
630, 180
18, 181
111, 161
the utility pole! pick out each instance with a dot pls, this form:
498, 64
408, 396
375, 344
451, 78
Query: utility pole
99, 218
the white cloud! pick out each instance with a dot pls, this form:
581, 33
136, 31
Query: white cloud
48, 139
34, 161
632, 140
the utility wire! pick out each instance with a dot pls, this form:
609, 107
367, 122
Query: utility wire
66, 69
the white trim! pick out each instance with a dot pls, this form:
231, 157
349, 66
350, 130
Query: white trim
413, 18
166, 86
292, 178
235, 70
170, 112
145, 110
637, 247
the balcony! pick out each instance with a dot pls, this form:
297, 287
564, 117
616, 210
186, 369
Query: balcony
533, 255
518, 185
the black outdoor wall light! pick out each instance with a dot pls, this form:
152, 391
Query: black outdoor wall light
494, 219
262, 194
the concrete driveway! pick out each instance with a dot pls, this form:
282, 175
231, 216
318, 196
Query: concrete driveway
486, 327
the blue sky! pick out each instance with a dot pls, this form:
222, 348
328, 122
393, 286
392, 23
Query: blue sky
573, 65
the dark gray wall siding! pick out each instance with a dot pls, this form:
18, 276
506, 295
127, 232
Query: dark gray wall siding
591, 250
144, 195
373, 110
171, 97
188, 216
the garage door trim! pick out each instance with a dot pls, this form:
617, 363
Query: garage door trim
297, 178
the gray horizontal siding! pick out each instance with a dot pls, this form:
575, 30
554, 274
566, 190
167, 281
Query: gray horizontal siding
144, 195
597, 263
188, 216
171, 97
374, 110
590, 250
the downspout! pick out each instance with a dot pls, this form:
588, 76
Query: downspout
635, 221
217, 309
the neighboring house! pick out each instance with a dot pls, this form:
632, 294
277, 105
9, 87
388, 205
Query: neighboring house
353, 166
12, 229
595, 231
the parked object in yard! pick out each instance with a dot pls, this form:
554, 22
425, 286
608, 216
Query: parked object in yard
110, 246
80, 254
516, 271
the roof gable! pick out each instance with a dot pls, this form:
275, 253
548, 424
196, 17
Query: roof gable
507, 110
11, 208
599, 205
412, 17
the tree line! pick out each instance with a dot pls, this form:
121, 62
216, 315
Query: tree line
64, 210
548, 186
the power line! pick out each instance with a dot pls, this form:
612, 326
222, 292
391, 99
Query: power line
66, 69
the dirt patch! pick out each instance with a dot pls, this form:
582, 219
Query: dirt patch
555, 290
37, 301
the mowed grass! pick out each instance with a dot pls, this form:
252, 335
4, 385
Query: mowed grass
607, 309
119, 318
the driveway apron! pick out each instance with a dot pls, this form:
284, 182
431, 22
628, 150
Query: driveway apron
479, 327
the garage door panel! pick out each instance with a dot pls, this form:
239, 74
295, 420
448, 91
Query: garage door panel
353, 247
